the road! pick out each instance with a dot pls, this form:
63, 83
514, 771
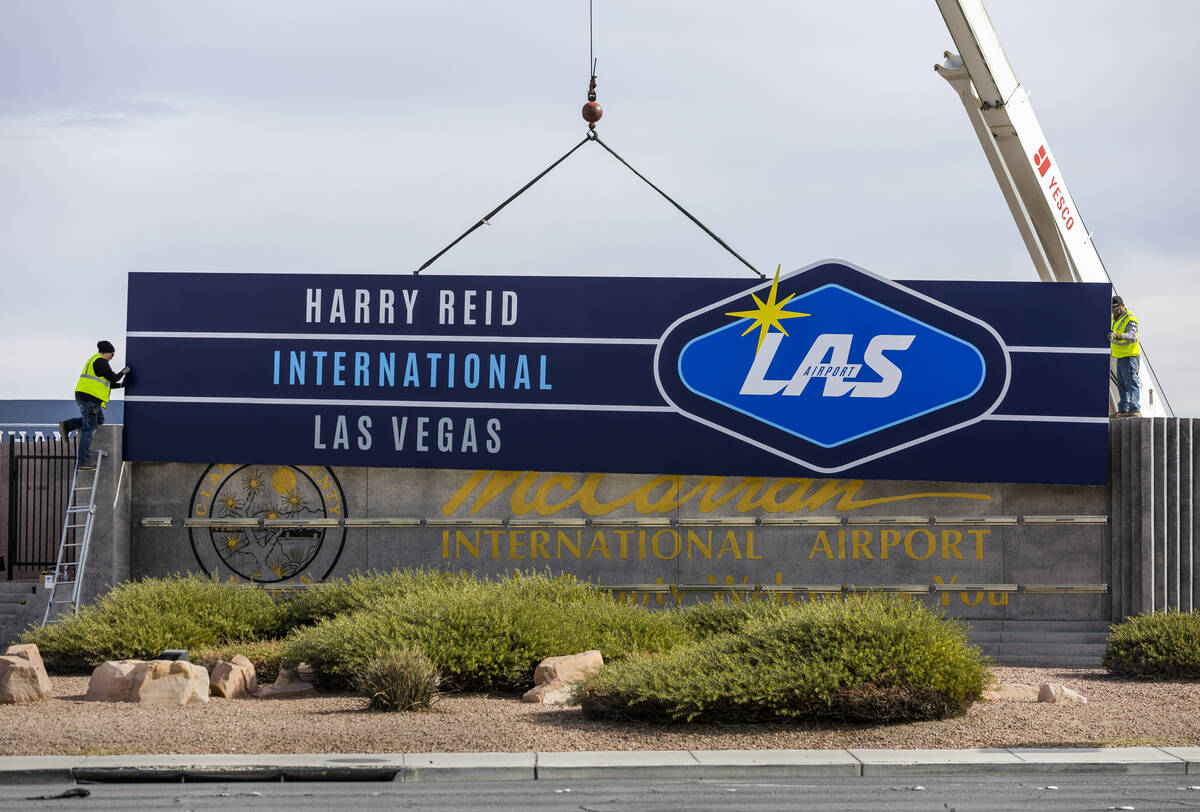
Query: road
959, 793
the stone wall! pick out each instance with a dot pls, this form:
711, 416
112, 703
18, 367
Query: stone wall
642, 533
995, 553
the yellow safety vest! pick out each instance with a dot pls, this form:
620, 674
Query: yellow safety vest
1120, 347
92, 385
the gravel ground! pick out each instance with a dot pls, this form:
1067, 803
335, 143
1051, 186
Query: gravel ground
1118, 713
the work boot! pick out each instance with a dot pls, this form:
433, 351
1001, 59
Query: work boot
62, 429
1136, 413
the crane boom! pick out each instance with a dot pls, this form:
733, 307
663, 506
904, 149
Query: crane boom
1030, 177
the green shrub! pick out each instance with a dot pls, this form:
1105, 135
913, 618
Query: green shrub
703, 620
1158, 644
869, 659
265, 654
139, 619
400, 681
483, 635
323, 601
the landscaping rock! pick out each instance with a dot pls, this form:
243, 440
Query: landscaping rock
552, 693
1011, 691
568, 668
556, 679
289, 676
28, 652
291, 690
1056, 692
233, 679
174, 682
22, 681
110, 681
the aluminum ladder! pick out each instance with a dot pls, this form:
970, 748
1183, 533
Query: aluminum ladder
73, 546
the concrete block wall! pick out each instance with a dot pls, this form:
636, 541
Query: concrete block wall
1155, 529
108, 557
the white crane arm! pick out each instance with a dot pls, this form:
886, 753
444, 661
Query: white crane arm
1028, 173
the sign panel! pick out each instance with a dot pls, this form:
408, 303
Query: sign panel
829, 369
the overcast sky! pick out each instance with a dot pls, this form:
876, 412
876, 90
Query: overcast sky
362, 136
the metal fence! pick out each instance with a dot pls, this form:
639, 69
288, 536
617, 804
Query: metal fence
38, 487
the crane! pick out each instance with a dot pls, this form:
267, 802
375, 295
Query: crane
1030, 177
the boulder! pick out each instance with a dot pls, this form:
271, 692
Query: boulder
110, 681
556, 692
289, 676
234, 678
568, 668
1058, 693
1007, 690
30, 653
22, 681
175, 682
291, 690
556, 679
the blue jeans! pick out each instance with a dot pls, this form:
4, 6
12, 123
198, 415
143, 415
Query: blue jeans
1129, 385
92, 418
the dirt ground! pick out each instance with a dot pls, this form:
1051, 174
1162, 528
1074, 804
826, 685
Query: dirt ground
1118, 713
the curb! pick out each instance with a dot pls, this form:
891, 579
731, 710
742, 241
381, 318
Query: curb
625, 764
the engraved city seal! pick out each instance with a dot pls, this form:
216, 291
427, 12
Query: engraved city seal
271, 536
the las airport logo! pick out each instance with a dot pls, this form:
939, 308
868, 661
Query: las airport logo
831, 367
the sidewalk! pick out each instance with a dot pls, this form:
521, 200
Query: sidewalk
693, 764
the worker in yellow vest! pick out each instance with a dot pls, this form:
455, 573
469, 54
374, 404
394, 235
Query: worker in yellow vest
1123, 338
91, 396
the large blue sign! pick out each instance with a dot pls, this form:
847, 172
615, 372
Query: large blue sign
829, 369
833, 367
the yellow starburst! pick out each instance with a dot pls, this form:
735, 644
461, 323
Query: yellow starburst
768, 314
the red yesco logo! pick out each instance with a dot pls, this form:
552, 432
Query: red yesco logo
1041, 162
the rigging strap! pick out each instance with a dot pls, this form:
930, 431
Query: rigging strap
484, 220
685, 212
591, 136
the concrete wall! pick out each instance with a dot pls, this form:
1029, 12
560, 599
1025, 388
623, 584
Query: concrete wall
1029, 554
1155, 562
626, 530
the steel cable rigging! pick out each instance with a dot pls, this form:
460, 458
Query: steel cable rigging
592, 112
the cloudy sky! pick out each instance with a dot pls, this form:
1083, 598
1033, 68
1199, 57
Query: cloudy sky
362, 136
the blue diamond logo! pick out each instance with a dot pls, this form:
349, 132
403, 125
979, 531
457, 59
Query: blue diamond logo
832, 366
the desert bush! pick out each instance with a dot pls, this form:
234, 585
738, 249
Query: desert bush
710, 618
139, 619
402, 680
323, 601
483, 635
1163, 645
265, 654
867, 659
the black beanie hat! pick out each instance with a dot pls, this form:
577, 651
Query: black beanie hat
1117, 300
105, 346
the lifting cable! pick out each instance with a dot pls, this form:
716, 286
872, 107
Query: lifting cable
592, 111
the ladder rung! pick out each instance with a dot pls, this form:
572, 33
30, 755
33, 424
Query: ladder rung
78, 525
